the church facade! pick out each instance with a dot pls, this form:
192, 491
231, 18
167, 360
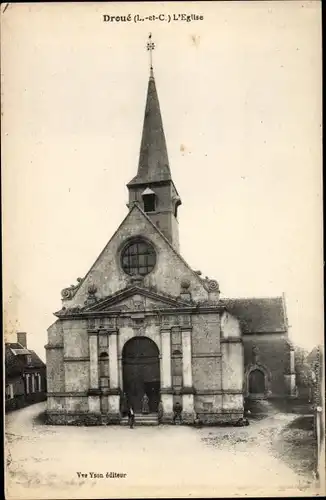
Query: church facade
142, 321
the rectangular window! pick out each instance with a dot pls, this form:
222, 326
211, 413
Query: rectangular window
149, 203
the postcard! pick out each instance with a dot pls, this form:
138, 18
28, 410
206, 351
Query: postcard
162, 249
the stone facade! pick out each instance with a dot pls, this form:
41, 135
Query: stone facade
210, 349
142, 321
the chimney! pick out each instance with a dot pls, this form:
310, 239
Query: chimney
21, 338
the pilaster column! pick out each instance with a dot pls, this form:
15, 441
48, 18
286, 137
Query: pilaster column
166, 359
27, 382
93, 360
291, 382
114, 396
186, 358
188, 392
33, 382
292, 364
120, 372
166, 378
113, 360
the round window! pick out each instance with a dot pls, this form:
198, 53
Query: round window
138, 257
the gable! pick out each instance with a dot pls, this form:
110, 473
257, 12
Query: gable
264, 315
135, 299
108, 278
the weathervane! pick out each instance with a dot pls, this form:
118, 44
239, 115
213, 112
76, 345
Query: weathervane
150, 47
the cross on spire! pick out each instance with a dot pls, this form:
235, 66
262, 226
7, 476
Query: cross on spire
150, 48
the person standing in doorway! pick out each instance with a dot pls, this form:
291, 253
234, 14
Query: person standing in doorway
177, 411
131, 417
145, 404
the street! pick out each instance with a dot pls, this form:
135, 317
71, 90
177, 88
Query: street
114, 461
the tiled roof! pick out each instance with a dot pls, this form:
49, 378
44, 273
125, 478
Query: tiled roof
261, 315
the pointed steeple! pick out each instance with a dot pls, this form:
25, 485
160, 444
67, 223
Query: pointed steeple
153, 188
153, 163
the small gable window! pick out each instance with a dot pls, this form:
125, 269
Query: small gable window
149, 200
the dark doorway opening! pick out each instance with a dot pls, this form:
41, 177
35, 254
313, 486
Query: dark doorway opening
141, 372
256, 382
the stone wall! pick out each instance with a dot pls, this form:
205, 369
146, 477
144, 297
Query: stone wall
75, 339
217, 369
55, 370
273, 353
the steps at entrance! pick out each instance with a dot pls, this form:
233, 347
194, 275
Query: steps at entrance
140, 419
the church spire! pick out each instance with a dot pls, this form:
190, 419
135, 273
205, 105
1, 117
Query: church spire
153, 163
153, 188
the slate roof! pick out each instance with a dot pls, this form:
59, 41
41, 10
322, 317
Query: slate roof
36, 360
153, 158
15, 359
261, 315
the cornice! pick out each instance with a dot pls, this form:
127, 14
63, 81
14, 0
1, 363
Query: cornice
207, 355
102, 331
70, 394
231, 340
82, 314
69, 359
53, 346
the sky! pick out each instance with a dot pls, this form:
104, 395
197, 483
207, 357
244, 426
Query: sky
240, 97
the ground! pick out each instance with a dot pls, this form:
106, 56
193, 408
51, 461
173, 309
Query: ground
44, 461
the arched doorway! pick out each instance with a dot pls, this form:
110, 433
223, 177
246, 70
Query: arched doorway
141, 372
256, 382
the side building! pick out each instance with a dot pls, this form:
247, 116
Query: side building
25, 375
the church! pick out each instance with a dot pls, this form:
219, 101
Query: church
143, 322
